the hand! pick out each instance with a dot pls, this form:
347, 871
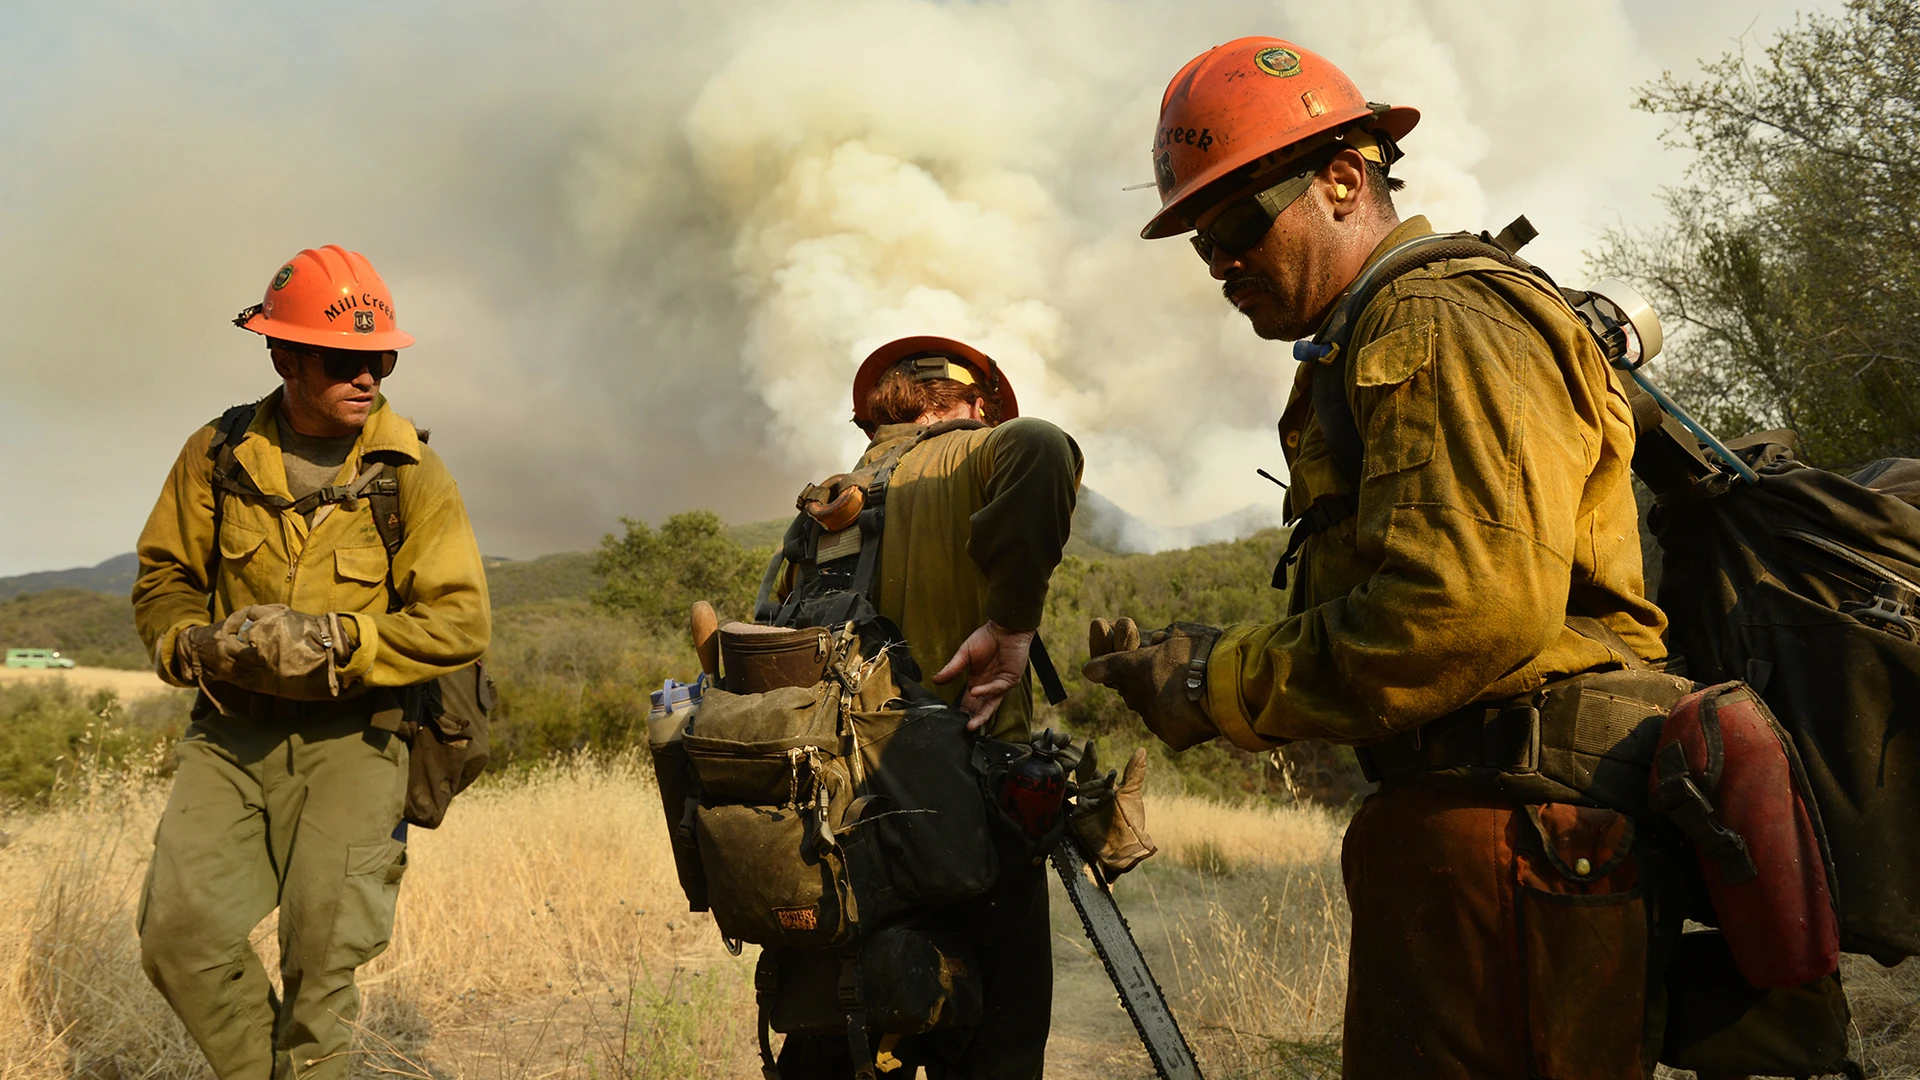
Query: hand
211, 652
188, 647
1110, 823
994, 660
273, 649
1164, 681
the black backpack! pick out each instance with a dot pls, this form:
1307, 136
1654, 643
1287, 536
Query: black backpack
444, 720
1803, 583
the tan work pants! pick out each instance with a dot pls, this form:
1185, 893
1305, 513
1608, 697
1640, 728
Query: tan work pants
300, 816
1493, 941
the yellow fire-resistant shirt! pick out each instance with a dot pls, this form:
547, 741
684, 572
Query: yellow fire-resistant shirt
270, 556
976, 521
1494, 501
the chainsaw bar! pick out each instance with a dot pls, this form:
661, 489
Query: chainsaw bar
1120, 954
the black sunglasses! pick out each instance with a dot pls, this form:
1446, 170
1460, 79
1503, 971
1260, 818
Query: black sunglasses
1241, 226
345, 365
1243, 223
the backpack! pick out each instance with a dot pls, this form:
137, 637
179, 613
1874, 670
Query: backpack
836, 812
444, 720
1802, 584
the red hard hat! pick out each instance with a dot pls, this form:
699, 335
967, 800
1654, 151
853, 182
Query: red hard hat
991, 379
1248, 100
329, 297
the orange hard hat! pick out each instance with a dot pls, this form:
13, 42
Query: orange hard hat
1252, 104
983, 371
329, 297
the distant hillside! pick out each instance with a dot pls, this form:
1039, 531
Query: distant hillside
760, 534
113, 576
93, 628
1099, 522
549, 577
1100, 530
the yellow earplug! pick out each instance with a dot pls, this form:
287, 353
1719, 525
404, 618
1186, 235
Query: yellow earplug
1339, 192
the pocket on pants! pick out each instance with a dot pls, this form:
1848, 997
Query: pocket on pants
363, 921
1583, 940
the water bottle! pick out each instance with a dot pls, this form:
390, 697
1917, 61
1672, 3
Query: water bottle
675, 705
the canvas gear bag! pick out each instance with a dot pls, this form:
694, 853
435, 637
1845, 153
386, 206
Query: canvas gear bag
832, 801
444, 720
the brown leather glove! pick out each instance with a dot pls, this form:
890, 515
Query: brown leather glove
1110, 822
273, 649
1163, 680
196, 653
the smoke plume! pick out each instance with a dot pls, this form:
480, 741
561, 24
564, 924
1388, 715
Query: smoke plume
644, 247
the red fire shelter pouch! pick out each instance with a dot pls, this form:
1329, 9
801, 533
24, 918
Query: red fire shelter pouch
1728, 775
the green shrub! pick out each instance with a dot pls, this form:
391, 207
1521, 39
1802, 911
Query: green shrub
51, 733
571, 677
656, 576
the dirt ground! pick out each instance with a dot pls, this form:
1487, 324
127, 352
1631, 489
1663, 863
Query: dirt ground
127, 684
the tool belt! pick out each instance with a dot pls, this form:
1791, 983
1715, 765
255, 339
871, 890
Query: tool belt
1589, 739
384, 708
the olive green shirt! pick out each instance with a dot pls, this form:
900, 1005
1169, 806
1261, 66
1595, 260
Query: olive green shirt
1494, 501
272, 556
311, 462
976, 520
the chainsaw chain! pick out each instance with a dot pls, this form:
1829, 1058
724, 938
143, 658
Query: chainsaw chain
1063, 861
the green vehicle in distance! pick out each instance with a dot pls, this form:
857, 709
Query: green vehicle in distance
37, 658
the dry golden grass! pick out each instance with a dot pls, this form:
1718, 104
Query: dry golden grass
542, 934
1258, 932
86, 680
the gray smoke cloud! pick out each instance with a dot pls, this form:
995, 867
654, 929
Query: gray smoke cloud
643, 247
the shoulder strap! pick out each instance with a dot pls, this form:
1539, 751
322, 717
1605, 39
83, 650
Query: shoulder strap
228, 430
1044, 670
802, 539
383, 501
873, 519
1329, 348
381, 491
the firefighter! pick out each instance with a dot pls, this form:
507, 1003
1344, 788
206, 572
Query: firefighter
266, 584
1494, 935
977, 515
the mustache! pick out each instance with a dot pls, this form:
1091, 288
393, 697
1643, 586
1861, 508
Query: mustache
1248, 281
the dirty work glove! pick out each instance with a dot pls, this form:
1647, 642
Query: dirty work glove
1164, 679
200, 652
273, 649
1109, 822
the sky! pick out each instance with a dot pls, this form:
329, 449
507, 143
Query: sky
643, 246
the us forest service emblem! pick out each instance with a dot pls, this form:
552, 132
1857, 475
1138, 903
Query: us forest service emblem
1276, 61
285, 275
363, 322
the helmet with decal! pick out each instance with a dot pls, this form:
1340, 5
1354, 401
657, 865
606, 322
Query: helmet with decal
329, 297
1245, 108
